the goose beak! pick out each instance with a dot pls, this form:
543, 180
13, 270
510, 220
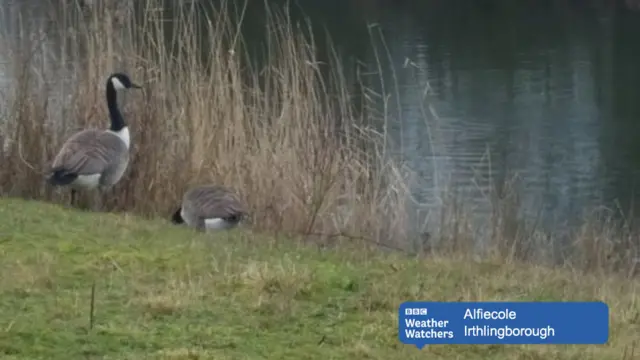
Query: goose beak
135, 86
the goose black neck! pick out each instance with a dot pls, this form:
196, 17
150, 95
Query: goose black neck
117, 121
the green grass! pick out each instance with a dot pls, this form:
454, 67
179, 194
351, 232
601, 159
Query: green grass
164, 292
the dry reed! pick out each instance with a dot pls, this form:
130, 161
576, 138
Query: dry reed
283, 133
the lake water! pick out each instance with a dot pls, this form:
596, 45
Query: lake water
482, 92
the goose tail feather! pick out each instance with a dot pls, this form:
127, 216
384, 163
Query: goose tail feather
61, 177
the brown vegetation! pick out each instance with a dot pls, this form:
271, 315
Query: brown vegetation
207, 115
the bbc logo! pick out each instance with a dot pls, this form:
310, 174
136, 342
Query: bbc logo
415, 311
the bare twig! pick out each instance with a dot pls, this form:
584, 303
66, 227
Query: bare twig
92, 305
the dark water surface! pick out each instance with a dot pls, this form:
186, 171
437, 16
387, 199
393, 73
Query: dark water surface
485, 91
547, 92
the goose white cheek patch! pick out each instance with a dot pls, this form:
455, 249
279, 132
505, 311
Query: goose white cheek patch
117, 84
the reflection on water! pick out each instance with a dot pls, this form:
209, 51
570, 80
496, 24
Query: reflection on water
533, 91
545, 91
539, 91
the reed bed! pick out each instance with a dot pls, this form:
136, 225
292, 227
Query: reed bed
282, 133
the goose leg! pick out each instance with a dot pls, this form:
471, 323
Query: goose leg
99, 204
201, 227
73, 197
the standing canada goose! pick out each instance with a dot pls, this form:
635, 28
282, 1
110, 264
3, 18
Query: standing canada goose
95, 157
210, 207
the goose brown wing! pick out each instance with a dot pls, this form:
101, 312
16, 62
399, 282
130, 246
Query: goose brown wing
214, 202
90, 152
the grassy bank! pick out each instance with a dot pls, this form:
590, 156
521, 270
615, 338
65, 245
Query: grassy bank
164, 292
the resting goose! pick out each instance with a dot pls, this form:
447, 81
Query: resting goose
210, 207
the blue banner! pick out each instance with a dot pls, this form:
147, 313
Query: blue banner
426, 323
